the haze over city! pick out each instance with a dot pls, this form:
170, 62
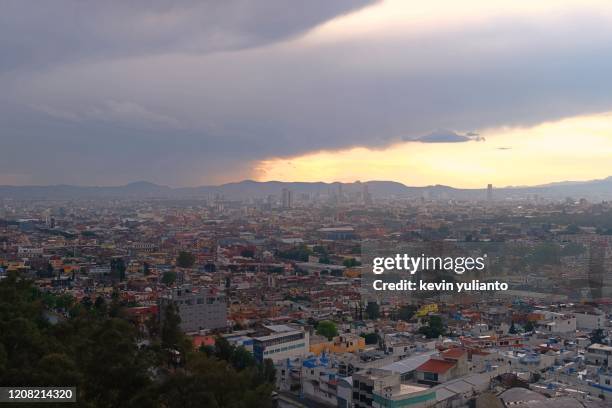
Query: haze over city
509, 93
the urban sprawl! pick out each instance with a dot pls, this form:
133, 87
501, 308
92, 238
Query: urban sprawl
274, 284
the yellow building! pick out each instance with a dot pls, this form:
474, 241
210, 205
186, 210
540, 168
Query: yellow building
16, 266
426, 310
345, 343
352, 272
69, 269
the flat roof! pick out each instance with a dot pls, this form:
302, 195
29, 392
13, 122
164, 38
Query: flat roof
598, 346
411, 389
279, 328
409, 364
277, 335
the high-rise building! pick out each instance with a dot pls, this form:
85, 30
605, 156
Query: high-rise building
367, 197
287, 198
199, 307
489, 192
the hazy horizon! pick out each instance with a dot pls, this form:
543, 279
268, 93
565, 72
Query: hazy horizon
552, 183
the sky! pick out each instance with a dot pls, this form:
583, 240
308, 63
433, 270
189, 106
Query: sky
206, 92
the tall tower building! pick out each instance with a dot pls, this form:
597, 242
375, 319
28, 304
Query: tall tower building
287, 198
367, 197
489, 192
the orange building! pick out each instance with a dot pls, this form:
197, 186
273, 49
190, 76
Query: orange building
345, 343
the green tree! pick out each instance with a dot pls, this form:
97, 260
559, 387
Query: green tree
406, 312
327, 328
242, 358
597, 336
370, 338
117, 266
298, 253
64, 301
50, 270
111, 363
146, 269
373, 310
168, 278
185, 259
434, 328
56, 368
351, 263
320, 250
269, 371
171, 333
223, 348
98, 353
184, 390
100, 306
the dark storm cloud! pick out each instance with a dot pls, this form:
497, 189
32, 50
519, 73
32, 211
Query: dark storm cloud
122, 102
37, 34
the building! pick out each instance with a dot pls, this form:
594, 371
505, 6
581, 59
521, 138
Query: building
404, 395
344, 392
319, 381
281, 343
527, 360
337, 233
560, 324
364, 382
367, 197
590, 320
99, 270
287, 198
29, 251
382, 388
598, 354
449, 364
345, 343
199, 307
143, 246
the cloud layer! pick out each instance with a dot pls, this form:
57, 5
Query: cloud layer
111, 92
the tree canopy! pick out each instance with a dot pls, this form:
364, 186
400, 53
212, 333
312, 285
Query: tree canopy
327, 328
185, 259
168, 278
434, 327
50, 340
373, 310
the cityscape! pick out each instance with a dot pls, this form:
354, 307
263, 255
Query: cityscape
306, 204
273, 287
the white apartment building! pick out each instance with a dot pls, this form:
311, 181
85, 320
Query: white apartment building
590, 320
199, 307
283, 342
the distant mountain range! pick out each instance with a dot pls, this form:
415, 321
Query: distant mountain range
594, 189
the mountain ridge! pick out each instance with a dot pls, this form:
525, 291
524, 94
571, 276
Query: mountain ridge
598, 188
